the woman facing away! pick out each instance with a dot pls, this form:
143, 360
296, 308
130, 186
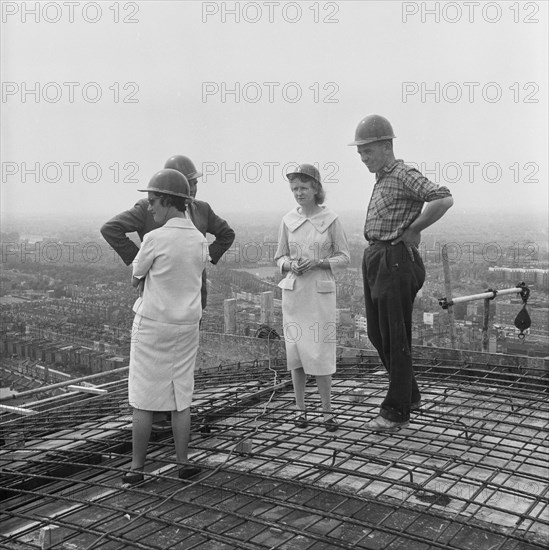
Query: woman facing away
168, 269
311, 246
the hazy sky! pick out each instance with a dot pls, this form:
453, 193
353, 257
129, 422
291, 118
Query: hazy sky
97, 95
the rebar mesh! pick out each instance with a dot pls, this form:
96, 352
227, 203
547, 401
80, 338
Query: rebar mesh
469, 472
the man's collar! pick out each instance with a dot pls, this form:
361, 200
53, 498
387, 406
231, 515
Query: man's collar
388, 168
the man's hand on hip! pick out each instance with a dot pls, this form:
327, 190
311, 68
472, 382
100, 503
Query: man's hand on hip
411, 239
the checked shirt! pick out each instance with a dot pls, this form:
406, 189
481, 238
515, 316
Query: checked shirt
397, 200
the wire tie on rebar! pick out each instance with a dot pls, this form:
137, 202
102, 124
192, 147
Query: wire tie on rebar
510, 401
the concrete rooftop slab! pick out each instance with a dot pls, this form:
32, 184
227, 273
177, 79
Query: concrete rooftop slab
470, 471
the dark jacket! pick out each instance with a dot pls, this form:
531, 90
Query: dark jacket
139, 219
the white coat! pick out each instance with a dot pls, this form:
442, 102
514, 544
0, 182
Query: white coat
171, 259
309, 300
164, 339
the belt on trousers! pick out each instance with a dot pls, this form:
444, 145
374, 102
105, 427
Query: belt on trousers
379, 243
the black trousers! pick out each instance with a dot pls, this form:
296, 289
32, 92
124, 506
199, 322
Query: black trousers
391, 282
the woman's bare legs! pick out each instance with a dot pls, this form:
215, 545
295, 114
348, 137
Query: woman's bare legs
141, 432
181, 428
324, 384
299, 378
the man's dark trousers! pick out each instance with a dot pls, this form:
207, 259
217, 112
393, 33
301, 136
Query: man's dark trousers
391, 282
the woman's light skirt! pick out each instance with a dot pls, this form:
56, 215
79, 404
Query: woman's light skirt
310, 329
162, 361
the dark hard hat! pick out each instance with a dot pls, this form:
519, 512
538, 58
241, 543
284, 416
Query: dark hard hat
306, 170
373, 128
169, 182
183, 164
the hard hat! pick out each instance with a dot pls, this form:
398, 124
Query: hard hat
183, 164
373, 128
306, 170
169, 182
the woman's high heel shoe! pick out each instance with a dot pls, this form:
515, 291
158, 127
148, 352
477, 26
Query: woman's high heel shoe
132, 477
188, 471
301, 420
331, 425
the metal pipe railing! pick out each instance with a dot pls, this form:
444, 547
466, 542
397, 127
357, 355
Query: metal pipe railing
70, 382
488, 295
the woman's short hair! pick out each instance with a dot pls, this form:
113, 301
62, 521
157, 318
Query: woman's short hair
320, 194
180, 203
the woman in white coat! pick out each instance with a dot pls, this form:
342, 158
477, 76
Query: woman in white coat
168, 269
311, 246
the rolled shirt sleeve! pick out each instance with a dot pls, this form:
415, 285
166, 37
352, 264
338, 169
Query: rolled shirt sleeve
421, 188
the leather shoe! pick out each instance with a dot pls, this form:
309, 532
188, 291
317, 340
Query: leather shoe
381, 424
188, 471
162, 426
330, 425
132, 477
301, 420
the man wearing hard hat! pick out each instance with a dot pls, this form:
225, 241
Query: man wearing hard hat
140, 220
392, 268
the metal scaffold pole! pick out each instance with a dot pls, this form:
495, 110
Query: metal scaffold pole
448, 288
485, 322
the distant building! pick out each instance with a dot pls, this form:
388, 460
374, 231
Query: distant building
361, 323
540, 318
506, 312
514, 275
343, 316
